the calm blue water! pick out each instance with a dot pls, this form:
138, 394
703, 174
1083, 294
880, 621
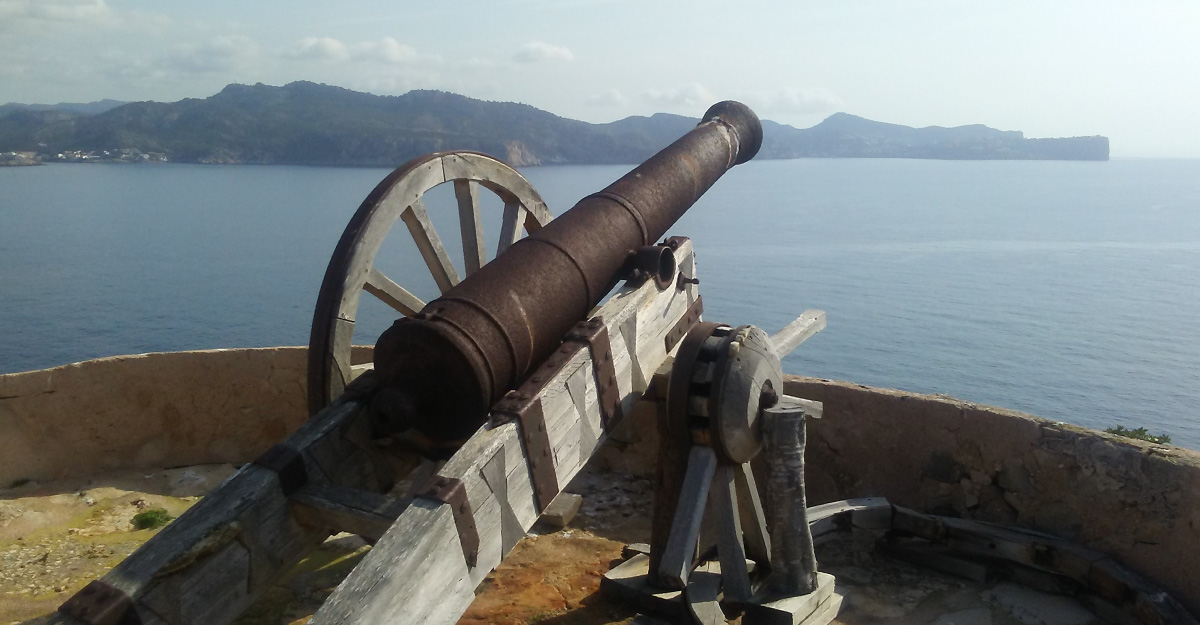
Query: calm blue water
1068, 290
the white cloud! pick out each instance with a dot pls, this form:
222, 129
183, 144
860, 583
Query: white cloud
800, 101
473, 64
612, 97
540, 51
689, 95
387, 50
73, 19
53, 10
320, 49
222, 53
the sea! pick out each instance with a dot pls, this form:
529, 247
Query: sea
1069, 290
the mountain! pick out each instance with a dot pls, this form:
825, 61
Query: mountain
312, 124
844, 135
84, 108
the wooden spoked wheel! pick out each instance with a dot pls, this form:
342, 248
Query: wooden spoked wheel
351, 271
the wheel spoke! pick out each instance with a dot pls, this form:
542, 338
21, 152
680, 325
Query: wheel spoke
432, 250
532, 223
392, 294
510, 229
474, 253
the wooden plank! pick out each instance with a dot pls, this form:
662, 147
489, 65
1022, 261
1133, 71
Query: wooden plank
669, 472
426, 579
791, 336
392, 294
792, 610
769, 608
341, 509
865, 512
495, 473
189, 598
909, 521
357, 370
510, 228
754, 520
685, 528
811, 409
723, 506
419, 558
704, 594
629, 583
416, 217
1033, 549
469, 222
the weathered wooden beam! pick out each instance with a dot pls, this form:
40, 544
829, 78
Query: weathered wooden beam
341, 509
510, 226
864, 512
793, 334
417, 572
416, 217
392, 294
466, 193
679, 552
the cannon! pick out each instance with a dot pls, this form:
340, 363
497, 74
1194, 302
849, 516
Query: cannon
443, 367
513, 376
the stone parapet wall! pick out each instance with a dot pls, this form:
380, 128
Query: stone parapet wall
149, 411
1137, 501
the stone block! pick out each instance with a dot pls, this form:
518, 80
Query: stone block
560, 511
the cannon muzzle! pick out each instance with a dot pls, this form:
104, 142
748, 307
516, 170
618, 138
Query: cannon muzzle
442, 369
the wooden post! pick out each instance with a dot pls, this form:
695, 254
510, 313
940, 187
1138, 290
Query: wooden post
792, 555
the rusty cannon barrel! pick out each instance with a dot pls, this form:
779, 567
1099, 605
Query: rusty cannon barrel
442, 369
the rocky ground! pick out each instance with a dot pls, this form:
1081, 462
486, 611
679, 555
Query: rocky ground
54, 538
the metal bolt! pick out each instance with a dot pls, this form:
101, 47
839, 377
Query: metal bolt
768, 398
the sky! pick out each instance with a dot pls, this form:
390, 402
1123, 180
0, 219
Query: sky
1050, 68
